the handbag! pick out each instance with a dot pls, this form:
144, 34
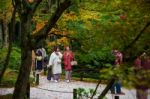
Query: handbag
73, 63
39, 58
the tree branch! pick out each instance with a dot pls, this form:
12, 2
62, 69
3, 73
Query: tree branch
52, 20
126, 48
137, 37
17, 3
109, 85
94, 93
35, 5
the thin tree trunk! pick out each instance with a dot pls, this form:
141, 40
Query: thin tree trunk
26, 59
11, 32
1, 36
105, 91
95, 89
137, 37
5, 32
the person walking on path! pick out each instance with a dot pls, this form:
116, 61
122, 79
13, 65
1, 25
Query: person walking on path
49, 71
68, 56
33, 66
55, 62
45, 59
118, 60
142, 70
39, 60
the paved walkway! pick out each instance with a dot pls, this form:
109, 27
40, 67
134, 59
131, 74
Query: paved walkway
63, 90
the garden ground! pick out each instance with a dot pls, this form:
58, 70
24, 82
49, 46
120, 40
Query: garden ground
63, 90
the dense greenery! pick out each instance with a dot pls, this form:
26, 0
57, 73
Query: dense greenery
15, 58
93, 28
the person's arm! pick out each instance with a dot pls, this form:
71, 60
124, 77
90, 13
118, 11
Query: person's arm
137, 63
121, 58
60, 55
72, 56
50, 60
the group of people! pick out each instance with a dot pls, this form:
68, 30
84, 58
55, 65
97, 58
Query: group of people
54, 65
141, 71
54, 62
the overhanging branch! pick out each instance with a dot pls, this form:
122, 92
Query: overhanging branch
42, 33
137, 37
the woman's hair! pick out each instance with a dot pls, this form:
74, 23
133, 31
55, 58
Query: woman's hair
144, 56
66, 47
55, 48
39, 53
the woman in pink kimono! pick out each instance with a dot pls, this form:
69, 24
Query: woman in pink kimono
142, 66
68, 57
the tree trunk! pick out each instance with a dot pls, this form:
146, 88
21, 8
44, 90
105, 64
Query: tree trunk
1, 36
5, 33
26, 57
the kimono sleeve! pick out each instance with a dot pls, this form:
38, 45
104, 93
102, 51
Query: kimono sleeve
50, 63
60, 55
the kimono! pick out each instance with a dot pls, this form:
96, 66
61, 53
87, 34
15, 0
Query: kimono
68, 57
141, 68
55, 62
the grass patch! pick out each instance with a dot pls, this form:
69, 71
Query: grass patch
9, 78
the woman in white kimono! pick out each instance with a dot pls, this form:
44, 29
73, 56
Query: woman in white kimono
55, 62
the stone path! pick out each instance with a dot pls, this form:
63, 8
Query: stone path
63, 90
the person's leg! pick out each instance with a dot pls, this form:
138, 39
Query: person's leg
45, 68
55, 76
70, 75
59, 77
118, 87
66, 75
112, 89
49, 74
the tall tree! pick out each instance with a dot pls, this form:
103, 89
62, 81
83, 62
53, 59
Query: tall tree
26, 10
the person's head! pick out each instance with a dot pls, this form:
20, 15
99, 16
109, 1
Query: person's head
67, 48
144, 56
115, 51
39, 53
56, 49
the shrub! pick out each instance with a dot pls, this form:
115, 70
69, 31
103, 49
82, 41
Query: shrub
15, 58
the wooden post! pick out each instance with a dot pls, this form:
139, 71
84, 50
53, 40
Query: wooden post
74, 93
116, 97
37, 79
34, 73
81, 77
